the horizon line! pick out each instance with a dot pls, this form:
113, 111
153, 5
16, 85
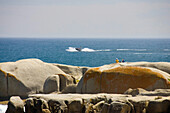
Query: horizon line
89, 37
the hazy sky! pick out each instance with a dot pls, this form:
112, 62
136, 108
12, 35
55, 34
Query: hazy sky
85, 18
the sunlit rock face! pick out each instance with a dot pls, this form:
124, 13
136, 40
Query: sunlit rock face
118, 78
25, 77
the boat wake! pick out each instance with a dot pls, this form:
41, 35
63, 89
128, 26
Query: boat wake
131, 50
166, 49
73, 49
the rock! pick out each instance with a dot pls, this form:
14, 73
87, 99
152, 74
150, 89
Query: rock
119, 107
15, 105
164, 66
29, 105
140, 91
139, 103
79, 85
150, 104
75, 106
157, 92
33, 105
159, 106
118, 79
40, 105
98, 107
66, 80
69, 89
68, 102
103, 103
92, 84
121, 104
105, 108
75, 71
98, 99
25, 77
134, 92
46, 111
89, 108
57, 83
57, 106
52, 84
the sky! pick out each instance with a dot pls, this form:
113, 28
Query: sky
85, 18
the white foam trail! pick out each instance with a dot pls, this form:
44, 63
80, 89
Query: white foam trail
3, 108
73, 49
122, 49
88, 50
166, 49
142, 53
131, 49
104, 50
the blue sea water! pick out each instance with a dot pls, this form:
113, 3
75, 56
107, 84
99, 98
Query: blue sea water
95, 52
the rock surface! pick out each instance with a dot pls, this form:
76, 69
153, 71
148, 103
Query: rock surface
106, 103
140, 91
52, 84
66, 80
15, 105
28, 76
33, 105
69, 89
75, 71
56, 83
164, 66
25, 77
117, 78
133, 80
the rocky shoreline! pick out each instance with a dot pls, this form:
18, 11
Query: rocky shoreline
134, 101
56, 88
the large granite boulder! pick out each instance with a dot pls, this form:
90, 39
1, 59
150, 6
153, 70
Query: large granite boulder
25, 77
56, 83
117, 79
75, 71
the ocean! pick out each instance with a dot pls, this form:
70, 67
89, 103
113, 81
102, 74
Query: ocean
95, 52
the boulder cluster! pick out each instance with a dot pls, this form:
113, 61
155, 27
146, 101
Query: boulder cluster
31, 76
158, 101
120, 87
